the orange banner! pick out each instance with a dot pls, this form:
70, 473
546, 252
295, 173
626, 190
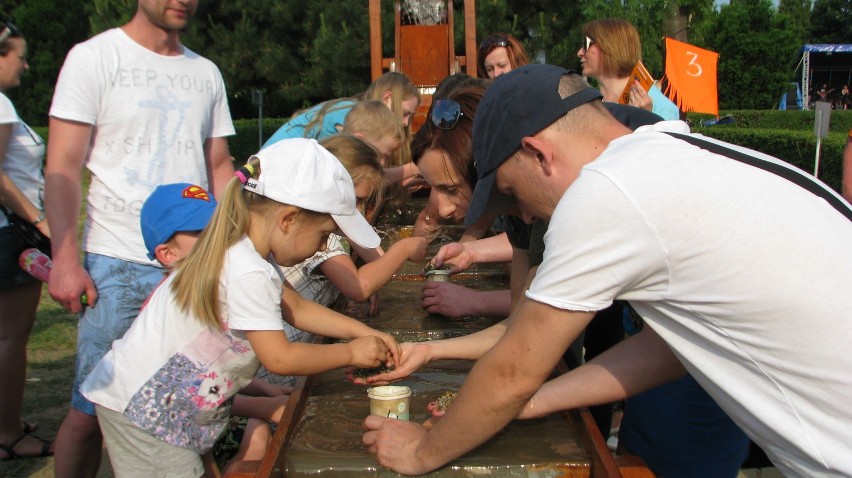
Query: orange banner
691, 77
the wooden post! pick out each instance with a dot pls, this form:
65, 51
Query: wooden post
470, 36
376, 56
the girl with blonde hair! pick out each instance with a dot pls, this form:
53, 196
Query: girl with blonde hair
164, 391
330, 272
393, 89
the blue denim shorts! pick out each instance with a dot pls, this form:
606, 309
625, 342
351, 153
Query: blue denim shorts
11, 274
122, 289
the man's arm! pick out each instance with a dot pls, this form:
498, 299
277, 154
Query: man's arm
66, 154
220, 166
634, 365
497, 389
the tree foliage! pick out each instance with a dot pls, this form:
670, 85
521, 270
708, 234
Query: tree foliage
51, 28
831, 21
299, 53
753, 67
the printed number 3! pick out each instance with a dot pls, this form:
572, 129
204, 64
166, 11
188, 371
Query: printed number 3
697, 71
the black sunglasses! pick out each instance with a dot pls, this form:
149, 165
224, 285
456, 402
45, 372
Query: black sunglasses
446, 114
493, 42
9, 30
588, 44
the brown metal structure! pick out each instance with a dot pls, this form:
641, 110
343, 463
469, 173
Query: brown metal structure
424, 53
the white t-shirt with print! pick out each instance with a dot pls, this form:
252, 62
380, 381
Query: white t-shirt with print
24, 159
747, 276
151, 116
174, 377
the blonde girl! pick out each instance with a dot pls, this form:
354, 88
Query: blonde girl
332, 271
379, 126
164, 391
393, 89
373, 122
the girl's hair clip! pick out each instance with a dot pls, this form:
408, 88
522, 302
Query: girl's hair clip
244, 173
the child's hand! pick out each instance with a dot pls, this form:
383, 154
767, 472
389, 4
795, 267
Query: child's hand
374, 304
435, 410
413, 356
368, 351
417, 248
394, 349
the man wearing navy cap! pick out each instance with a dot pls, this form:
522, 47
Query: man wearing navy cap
738, 263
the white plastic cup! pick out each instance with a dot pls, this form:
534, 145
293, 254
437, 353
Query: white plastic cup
389, 401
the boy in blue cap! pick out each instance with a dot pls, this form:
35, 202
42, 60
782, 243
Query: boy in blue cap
171, 219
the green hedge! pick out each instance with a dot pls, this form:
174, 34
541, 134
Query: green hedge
840, 121
795, 147
787, 135
245, 143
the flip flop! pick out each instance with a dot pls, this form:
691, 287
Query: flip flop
10, 449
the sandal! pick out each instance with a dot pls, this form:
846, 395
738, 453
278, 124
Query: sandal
29, 427
10, 449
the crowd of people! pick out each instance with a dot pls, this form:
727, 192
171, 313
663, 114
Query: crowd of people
703, 284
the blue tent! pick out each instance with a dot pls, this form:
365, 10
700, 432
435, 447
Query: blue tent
792, 98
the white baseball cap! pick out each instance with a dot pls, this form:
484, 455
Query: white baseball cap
300, 172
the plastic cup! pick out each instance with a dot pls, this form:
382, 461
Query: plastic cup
389, 401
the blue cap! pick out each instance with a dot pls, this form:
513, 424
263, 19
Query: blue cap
172, 208
518, 104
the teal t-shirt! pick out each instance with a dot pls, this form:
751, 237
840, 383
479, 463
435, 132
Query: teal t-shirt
331, 123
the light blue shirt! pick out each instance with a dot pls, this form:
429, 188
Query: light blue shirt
331, 122
662, 105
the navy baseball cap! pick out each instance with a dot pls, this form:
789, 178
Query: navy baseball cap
173, 208
518, 104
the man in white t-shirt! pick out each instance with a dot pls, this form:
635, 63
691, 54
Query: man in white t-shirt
137, 109
742, 277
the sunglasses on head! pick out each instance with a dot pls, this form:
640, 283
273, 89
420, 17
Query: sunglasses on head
9, 30
493, 42
446, 114
588, 44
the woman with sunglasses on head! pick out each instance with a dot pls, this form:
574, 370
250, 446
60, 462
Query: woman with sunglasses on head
21, 190
610, 50
443, 152
498, 54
